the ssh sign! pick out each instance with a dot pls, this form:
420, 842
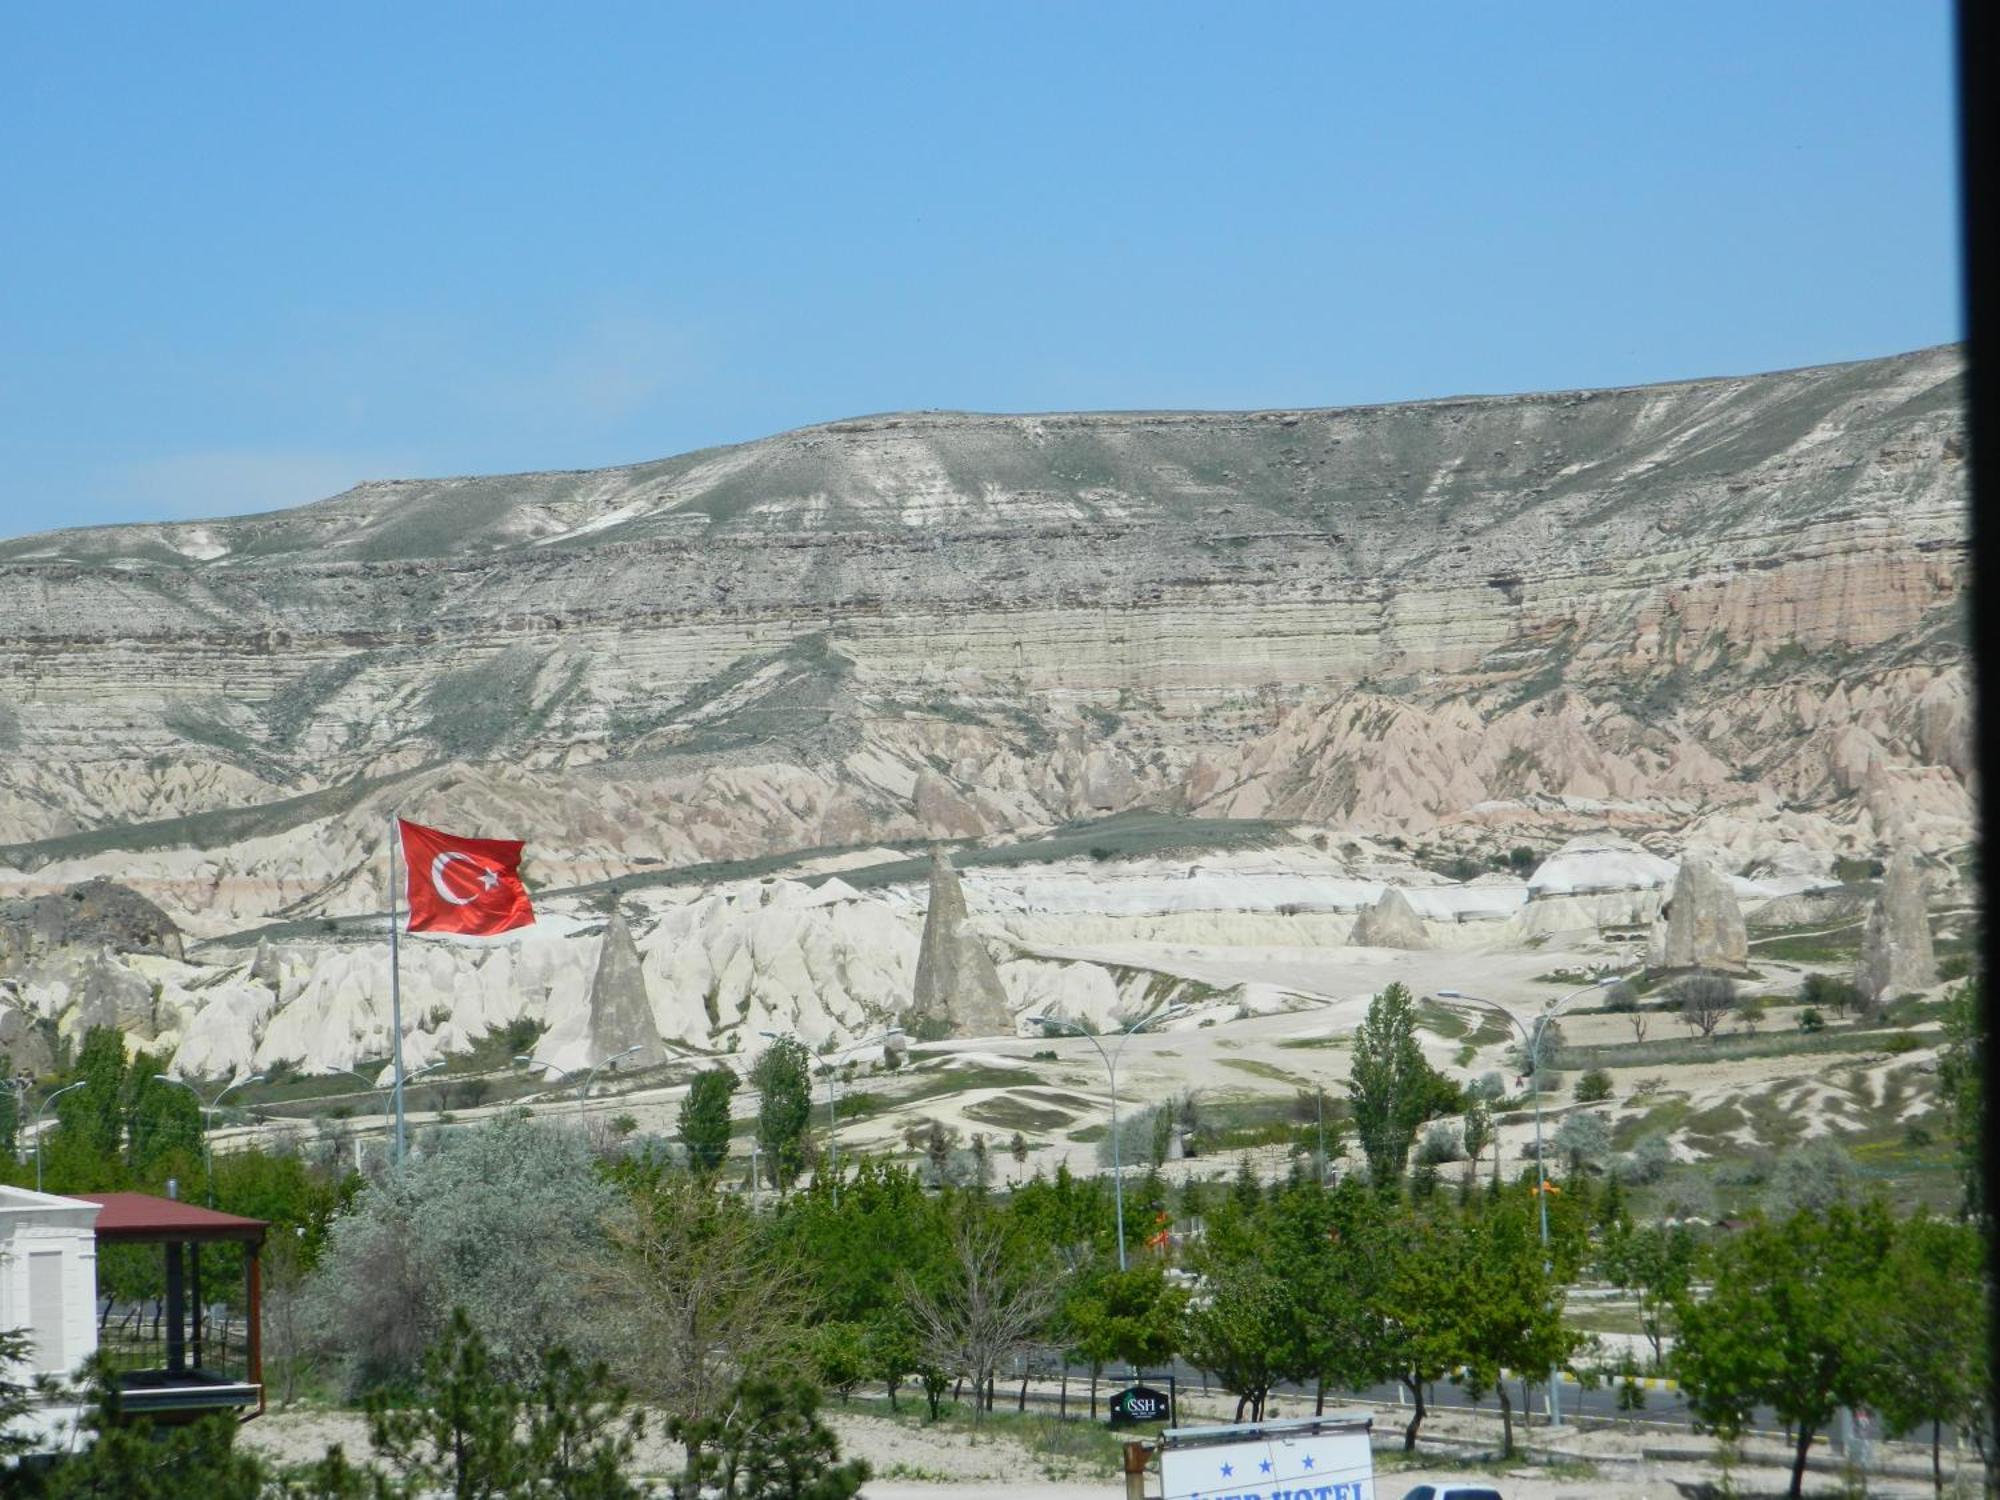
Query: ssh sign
1140, 1403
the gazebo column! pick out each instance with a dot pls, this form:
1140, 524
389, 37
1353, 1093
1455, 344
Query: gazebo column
176, 1312
200, 1305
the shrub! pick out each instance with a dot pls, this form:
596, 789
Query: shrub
503, 1220
1954, 966
1816, 1176
1441, 1143
1903, 1042
1584, 1141
1621, 998
1828, 992
1810, 1020
1593, 1087
1645, 1162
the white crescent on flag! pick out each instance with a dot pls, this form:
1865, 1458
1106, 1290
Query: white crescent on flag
487, 879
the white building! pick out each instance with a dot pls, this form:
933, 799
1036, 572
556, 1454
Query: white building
48, 1290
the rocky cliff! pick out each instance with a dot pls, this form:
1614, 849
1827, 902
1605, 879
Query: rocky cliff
1727, 612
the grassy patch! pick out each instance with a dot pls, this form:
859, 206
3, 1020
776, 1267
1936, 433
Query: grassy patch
1258, 1069
1811, 946
1010, 1113
931, 1085
1441, 1020
1662, 1118
1671, 1051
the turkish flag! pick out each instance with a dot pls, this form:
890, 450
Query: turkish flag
463, 885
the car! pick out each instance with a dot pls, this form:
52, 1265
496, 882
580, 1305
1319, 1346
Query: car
1453, 1492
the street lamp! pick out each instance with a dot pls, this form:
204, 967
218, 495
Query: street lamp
1531, 1043
20, 1083
591, 1077
373, 1088
1111, 1068
832, 1116
207, 1109
40, 1110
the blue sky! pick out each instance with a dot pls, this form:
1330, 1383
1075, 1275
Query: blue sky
250, 254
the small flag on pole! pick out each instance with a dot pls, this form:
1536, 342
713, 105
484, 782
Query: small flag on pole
461, 885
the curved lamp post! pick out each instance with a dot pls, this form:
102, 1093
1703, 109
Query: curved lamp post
1531, 1044
373, 1088
609, 1062
1111, 1069
569, 1077
207, 1109
40, 1110
20, 1086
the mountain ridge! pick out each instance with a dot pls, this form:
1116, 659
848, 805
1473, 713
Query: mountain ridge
38, 546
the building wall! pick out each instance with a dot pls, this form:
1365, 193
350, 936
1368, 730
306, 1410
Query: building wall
48, 1289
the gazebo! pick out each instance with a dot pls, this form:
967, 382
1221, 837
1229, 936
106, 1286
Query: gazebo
197, 1374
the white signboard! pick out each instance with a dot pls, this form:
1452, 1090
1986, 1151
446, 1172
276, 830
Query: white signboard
1277, 1461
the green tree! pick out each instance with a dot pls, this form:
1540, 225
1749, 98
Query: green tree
1785, 1324
1315, 1238
85, 1150
1656, 1262
1961, 1082
704, 1119
1416, 1258
1582, 1141
1391, 1089
768, 1443
16, 1399
1130, 1317
1477, 1134
10, 1114
699, 1296
459, 1432
839, 1356
783, 1077
163, 1126
1931, 1341
580, 1431
1509, 1307
1245, 1332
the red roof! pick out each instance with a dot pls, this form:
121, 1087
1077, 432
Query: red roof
142, 1218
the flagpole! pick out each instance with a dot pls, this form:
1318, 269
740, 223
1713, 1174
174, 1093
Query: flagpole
395, 994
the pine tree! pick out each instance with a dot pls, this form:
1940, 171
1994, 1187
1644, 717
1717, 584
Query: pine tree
1391, 1087
704, 1119
783, 1076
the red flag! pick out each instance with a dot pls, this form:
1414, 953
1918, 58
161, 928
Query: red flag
463, 885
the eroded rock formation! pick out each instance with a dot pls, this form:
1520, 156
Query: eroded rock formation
957, 990
1391, 923
1700, 926
1896, 952
621, 1015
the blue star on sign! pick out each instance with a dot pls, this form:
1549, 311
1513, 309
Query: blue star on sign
1265, 1465
1227, 1471
1309, 1460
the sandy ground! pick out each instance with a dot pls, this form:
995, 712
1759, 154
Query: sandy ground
913, 1463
